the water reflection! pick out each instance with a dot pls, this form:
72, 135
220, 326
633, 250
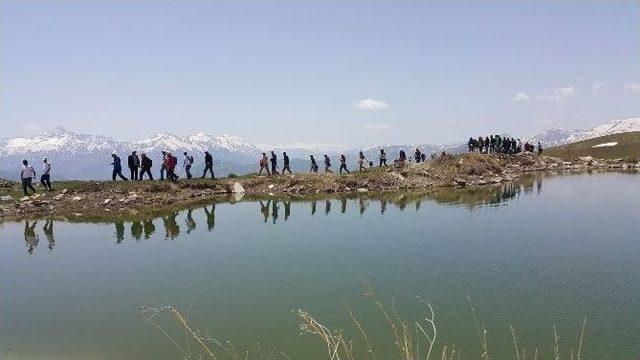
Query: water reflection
471, 198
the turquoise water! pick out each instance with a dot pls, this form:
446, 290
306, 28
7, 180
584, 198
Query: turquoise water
545, 252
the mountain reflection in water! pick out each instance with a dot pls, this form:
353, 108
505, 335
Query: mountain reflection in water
144, 228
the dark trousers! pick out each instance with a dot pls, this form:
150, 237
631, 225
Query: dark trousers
274, 168
134, 173
45, 180
383, 162
286, 168
343, 167
209, 168
117, 172
26, 184
187, 170
163, 170
147, 171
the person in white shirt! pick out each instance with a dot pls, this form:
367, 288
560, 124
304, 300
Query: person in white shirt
187, 162
45, 178
26, 175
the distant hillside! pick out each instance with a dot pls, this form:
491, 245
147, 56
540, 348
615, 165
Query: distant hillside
616, 146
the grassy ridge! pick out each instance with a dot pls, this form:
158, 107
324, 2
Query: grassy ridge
628, 148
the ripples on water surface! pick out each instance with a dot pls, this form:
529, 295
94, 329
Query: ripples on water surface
542, 252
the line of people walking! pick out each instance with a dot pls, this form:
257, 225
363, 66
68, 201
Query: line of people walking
141, 165
496, 144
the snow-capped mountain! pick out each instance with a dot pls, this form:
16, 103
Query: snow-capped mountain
560, 136
85, 156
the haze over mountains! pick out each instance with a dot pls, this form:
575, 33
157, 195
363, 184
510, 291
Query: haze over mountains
84, 156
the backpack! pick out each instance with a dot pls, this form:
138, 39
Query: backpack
191, 159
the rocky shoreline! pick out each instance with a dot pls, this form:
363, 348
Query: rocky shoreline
112, 199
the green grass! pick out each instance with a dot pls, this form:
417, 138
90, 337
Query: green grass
628, 148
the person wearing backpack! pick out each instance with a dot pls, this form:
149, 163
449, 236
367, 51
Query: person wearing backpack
45, 178
314, 165
170, 166
146, 164
186, 163
26, 176
285, 163
208, 164
343, 164
327, 164
383, 158
134, 163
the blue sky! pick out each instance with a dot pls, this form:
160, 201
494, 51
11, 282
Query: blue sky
327, 72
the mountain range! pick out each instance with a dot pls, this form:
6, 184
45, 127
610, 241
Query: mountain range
85, 156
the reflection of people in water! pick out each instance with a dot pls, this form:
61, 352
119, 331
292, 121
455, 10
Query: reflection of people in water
191, 224
383, 206
343, 205
30, 237
287, 209
148, 227
327, 207
539, 185
274, 211
418, 203
363, 205
313, 207
171, 227
211, 217
264, 209
136, 230
48, 233
119, 231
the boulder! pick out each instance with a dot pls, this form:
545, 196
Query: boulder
106, 201
460, 181
237, 188
362, 190
58, 197
6, 198
76, 198
24, 198
64, 191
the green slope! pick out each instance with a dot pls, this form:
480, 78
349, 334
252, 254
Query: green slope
628, 148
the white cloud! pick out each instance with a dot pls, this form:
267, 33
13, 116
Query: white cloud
596, 85
377, 127
520, 97
633, 87
371, 104
557, 96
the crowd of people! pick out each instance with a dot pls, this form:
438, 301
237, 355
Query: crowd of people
139, 166
496, 144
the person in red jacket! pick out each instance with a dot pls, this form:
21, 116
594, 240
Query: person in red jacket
172, 161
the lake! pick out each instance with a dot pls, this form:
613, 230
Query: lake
546, 251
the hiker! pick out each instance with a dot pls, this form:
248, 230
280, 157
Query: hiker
163, 166
274, 163
383, 158
117, 168
519, 146
402, 158
343, 163
45, 178
208, 164
26, 176
285, 163
486, 145
172, 161
480, 144
424, 157
417, 155
314, 165
539, 148
47, 229
492, 144
186, 163
134, 163
361, 161
470, 144
145, 167
327, 164
264, 164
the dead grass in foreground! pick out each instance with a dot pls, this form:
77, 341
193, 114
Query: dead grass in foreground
413, 339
